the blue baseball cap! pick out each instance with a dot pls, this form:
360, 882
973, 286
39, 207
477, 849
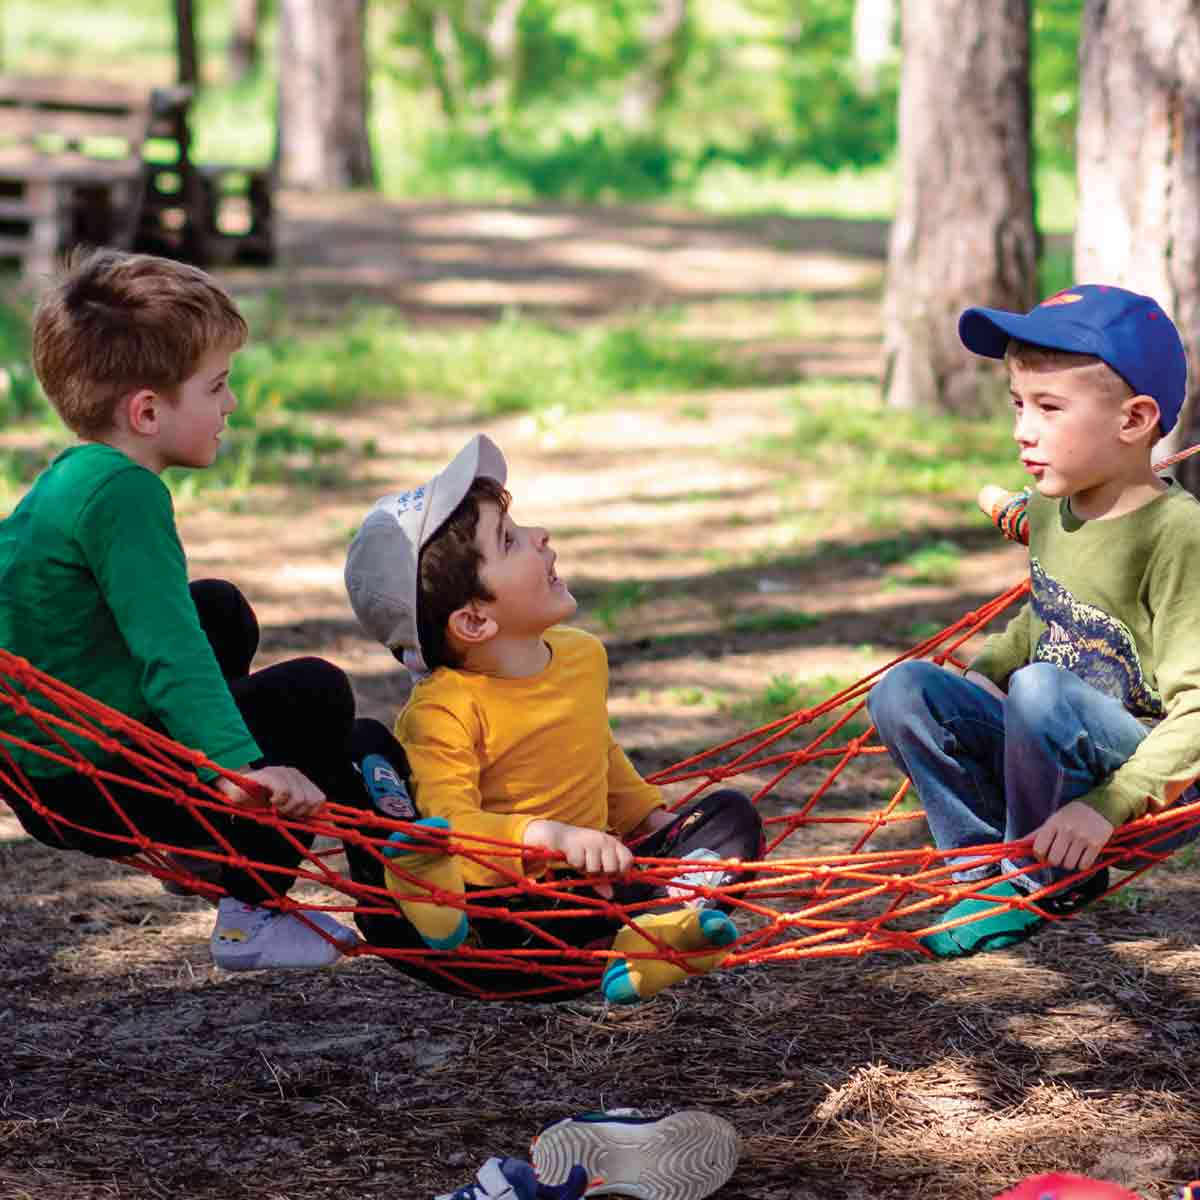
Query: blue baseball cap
1129, 332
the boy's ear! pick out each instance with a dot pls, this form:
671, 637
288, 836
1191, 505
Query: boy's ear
1139, 418
141, 411
471, 626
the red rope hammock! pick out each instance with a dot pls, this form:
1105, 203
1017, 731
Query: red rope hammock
875, 891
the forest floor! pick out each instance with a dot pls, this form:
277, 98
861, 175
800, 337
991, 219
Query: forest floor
133, 1068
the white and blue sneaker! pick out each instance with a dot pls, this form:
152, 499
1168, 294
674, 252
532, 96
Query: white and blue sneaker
683, 1156
514, 1179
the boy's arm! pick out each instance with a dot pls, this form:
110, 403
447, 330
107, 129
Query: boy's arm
632, 801
127, 533
1006, 652
441, 747
1162, 766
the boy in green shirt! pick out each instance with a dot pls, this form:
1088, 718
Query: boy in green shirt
1085, 712
134, 353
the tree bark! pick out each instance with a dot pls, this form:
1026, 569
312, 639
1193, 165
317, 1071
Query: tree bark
1138, 147
321, 129
653, 84
243, 42
963, 232
186, 57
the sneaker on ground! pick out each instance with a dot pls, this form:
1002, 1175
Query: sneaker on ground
995, 926
514, 1179
1079, 895
684, 885
250, 938
683, 1156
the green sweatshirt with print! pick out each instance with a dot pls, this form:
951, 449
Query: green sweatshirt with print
1117, 602
94, 591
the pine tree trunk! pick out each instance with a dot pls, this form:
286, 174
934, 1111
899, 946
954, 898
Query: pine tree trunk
322, 123
243, 43
653, 83
963, 232
1138, 144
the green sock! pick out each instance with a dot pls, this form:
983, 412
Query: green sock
628, 980
441, 926
998, 927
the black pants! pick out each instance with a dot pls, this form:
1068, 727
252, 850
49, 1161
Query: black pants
300, 713
723, 821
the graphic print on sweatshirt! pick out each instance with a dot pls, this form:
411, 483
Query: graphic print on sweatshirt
1090, 643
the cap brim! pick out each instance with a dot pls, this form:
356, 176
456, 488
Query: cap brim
987, 331
480, 456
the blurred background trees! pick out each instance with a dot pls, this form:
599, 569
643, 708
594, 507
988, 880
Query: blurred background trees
751, 107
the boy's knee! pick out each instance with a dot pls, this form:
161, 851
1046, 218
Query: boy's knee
1035, 690
901, 692
324, 689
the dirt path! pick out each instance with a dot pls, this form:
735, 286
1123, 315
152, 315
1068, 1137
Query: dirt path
132, 1068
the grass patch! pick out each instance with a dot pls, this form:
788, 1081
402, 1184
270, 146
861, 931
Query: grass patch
618, 599
785, 694
780, 620
518, 364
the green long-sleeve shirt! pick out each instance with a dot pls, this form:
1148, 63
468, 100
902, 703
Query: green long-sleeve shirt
94, 591
1118, 603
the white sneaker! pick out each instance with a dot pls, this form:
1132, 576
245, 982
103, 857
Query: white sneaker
250, 938
684, 886
683, 1156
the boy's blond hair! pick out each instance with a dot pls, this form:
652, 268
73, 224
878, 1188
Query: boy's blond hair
115, 323
1095, 372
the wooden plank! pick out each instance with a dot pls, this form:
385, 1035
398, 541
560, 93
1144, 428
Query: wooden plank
74, 125
99, 94
67, 168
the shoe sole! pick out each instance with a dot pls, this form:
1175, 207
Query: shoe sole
684, 1156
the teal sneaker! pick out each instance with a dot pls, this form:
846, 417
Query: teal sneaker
1000, 928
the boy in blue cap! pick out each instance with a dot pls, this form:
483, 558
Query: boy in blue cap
1085, 712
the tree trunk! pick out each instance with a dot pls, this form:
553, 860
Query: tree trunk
653, 84
243, 43
1138, 145
963, 232
322, 117
874, 26
186, 57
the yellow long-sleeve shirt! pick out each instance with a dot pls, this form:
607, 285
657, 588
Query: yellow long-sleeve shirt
490, 755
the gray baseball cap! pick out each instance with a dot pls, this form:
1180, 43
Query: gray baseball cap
382, 562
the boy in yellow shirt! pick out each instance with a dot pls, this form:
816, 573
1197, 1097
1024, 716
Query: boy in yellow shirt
508, 740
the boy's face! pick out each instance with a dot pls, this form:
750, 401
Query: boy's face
518, 569
189, 430
1066, 428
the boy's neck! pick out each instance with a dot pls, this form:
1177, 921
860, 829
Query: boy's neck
1118, 496
131, 446
509, 657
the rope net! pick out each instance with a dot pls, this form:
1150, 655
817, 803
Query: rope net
847, 870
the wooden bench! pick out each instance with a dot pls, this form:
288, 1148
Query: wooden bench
98, 163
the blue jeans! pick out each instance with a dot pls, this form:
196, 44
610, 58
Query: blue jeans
994, 770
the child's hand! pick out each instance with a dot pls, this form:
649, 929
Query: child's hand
288, 790
1073, 837
589, 851
991, 498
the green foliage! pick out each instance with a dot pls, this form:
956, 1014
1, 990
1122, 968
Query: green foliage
20, 394
1055, 82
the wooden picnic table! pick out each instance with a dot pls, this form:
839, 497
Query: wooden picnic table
105, 164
